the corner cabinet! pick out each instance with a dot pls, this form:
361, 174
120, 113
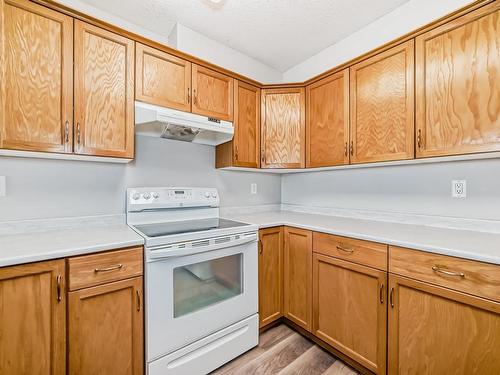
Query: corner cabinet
327, 121
104, 92
36, 52
244, 149
283, 128
458, 84
382, 106
270, 275
298, 276
33, 319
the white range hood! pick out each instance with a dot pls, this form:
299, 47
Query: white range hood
156, 121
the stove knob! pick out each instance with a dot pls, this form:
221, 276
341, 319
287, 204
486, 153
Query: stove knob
156, 195
207, 194
147, 196
136, 196
214, 195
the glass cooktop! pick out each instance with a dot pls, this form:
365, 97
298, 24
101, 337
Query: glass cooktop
186, 226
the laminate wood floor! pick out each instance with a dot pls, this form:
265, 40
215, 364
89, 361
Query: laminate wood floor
285, 352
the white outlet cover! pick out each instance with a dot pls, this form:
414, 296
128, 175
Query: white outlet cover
459, 188
253, 188
3, 187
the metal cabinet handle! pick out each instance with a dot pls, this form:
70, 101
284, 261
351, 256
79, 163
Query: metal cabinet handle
351, 148
138, 300
59, 293
440, 270
195, 97
236, 152
66, 131
391, 297
419, 138
112, 268
381, 293
78, 138
346, 152
189, 95
345, 250
261, 247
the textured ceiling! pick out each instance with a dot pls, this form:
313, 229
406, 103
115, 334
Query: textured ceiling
279, 33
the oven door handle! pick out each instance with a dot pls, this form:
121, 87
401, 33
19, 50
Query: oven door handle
162, 253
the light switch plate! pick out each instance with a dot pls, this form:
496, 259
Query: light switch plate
253, 188
459, 188
3, 187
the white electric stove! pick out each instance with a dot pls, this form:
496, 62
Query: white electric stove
201, 280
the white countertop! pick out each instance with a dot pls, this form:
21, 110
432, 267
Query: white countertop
481, 246
52, 244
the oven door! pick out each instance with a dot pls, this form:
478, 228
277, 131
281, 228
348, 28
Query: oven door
189, 297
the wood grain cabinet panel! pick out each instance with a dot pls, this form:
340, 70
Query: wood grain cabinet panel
458, 85
434, 330
162, 79
212, 93
36, 52
327, 121
270, 275
283, 128
350, 309
104, 92
106, 329
33, 319
244, 149
382, 106
298, 276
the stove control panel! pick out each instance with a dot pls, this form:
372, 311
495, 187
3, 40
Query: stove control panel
139, 199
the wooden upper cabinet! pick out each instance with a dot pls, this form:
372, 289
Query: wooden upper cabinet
36, 111
104, 92
298, 276
382, 106
270, 275
33, 319
327, 121
283, 128
434, 329
350, 310
106, 329
458, 85
212, 93
162, 79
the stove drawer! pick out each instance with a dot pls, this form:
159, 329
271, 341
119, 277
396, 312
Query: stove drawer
95, 269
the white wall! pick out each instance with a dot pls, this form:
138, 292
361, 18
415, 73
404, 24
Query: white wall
404, 19
196, 44
38, 188
420, 189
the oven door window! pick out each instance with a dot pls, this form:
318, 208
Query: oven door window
203, 284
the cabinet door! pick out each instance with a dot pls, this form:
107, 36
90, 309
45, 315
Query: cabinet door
270, 275
382, 107
328, 121
162, 79
298, 276
37, 78
350, 311
212, 93
104, 92
434, 330
106, 329
33, 319
283, 128
458, 85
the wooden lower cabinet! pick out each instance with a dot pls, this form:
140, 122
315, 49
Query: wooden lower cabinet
106, 329
270, 275
350, 310
434, 330
298, 276
33, 319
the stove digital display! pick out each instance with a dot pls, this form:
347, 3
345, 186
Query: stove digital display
179, 192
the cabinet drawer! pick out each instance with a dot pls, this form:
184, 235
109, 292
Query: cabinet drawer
370, 254
477, 278
95, 269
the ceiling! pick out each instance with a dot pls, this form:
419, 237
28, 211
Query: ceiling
278, 33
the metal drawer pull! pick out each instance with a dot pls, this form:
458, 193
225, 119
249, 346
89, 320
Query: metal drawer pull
112, 268
138, 294
345, 250
382, 293
59, 294
448, 273
391, 297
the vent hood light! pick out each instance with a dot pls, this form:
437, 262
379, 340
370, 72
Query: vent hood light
156, 121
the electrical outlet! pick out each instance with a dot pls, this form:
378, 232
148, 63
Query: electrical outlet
3, 187
253, 188
459, 189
